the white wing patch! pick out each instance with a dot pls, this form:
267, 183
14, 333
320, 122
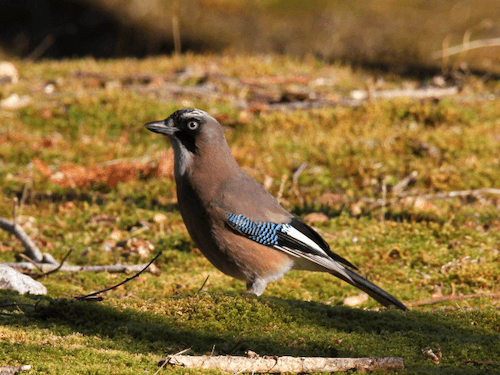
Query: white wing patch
299, 236
327, 263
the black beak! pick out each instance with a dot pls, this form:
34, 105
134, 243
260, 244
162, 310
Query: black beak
165, 127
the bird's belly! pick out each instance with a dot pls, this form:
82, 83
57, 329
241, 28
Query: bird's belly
231, 253
202, 229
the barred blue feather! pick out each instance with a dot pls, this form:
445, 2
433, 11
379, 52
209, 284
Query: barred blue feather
265, 233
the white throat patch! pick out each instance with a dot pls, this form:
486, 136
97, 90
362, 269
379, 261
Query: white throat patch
182, 158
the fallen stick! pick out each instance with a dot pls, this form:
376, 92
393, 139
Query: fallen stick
276, 365
46, 267
361, 96
5, 370
378, 202
495, 42
430, 92
461, 193
452, 298
91, 296
55, 269
31, 249
398, 188
27, 258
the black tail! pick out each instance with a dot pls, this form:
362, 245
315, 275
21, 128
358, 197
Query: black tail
371, 289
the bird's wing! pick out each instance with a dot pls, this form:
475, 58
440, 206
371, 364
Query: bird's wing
294, 238
253, 212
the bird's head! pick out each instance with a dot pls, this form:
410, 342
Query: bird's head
196, 137
188, 127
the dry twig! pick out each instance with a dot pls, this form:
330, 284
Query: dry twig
435, 357
46, 267
14, 214
201, 288
31, 249
89, 296
35, 264
482, 43
175, 28
398, 188
378, 202
55, 269
6, 370
295, 181
452, 298
276, 365
17, 306
481, 362
284, 179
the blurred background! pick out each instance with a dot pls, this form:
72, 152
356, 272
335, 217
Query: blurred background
402, 35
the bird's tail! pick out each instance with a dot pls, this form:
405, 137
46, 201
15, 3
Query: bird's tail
371, 289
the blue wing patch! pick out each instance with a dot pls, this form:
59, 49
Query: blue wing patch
265, 233
278, 236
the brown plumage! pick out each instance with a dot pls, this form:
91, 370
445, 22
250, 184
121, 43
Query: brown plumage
235, 222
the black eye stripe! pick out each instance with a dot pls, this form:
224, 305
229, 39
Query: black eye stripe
188, 141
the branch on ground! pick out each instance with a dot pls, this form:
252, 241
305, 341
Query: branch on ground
276, 365
452, 297
45, 267
91, 296
32, 250
55, 269
5, 370
461, 48
375, 203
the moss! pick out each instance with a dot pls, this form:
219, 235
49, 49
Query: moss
413, 249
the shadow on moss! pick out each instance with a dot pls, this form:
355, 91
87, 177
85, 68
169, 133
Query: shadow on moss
235, 323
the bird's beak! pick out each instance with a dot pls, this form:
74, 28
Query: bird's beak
165, 127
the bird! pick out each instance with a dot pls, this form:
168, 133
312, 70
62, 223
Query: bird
235, 222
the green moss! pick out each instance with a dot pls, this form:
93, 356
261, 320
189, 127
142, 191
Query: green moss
132, 333
413, 249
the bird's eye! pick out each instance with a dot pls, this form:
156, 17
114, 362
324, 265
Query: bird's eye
193, 125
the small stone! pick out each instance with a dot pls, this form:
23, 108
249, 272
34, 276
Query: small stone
438, 81
136, 246
159, 218
15, 280
112, 85
8, 73
49, 88
108, 245
359, 94
15, 101
357, 208
116, 235
316, 217
357, 300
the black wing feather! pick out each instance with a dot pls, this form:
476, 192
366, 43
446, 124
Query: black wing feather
305, 229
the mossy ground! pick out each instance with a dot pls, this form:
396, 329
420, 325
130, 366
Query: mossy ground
439, 246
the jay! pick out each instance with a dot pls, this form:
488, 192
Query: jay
235, 222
